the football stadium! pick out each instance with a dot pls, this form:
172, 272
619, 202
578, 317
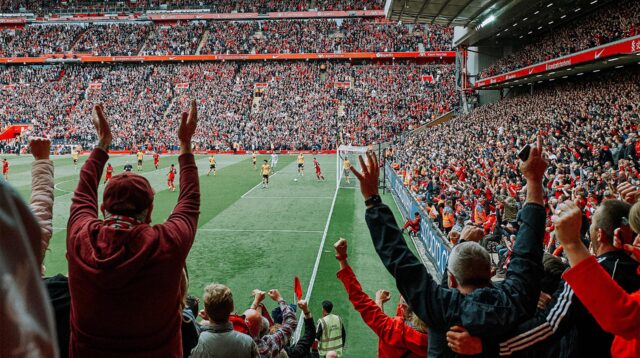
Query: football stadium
320, 178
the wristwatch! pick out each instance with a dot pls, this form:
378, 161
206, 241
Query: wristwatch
373, 201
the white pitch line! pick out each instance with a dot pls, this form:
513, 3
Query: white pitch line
262, 230
289, 197
316, 265
257, 185
62, 190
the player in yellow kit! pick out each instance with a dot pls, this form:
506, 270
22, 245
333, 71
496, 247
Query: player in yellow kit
212, 166
254, 158
300, 164
265, 170
75, 154
346, 166
140, 156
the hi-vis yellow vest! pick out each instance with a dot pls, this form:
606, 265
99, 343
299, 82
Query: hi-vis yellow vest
331, 339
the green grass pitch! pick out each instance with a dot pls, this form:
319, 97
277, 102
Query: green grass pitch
251, 237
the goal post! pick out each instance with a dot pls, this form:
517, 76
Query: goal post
350, 153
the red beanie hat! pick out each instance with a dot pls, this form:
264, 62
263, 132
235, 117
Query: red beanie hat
127, 194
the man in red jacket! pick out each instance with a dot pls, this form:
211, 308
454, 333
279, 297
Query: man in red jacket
124, 274
396, 337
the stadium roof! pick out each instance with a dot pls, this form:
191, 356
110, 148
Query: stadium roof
492, 22
444, 12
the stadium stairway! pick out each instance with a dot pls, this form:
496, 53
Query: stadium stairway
442, 119
152, 34
203, 41
75, 41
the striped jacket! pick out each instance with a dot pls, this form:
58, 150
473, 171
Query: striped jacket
565, 328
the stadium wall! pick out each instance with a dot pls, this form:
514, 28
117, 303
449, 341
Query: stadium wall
431, 245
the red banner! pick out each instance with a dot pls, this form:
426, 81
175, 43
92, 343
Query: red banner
95, 85
622, 47
12, 20
449, 55
9, 87
182, 85
427, 78
342, 84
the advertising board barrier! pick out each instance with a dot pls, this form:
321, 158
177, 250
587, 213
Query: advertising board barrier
430, 244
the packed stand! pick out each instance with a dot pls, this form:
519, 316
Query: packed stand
33, 41
608, 24
114, 39
216, 6
225, 37
253, 105
175, 40
466, 169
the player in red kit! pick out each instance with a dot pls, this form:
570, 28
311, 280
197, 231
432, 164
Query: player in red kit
156, 159
5, 169
109, 174
316, 165
171, 178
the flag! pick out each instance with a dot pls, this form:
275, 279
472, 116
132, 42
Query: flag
297, 288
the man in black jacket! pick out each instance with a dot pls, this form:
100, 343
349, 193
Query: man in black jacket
485, 309
302, 348
565, 328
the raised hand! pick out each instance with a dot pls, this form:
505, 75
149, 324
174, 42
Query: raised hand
304, 306
40, 148
369, 176
383, 295
567, 220
102, 128
533, 169
628, 192
275, 295
188, 125
258, 295
341, 249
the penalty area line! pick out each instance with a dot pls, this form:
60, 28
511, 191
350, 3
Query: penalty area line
62, 190
257, 185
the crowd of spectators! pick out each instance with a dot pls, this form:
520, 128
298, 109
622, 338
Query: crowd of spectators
114, 39
35, 40
225, 37
468, 166
605, 25
182, 39
253, 105
215, 6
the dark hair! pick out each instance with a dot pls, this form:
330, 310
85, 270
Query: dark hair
327, 305
609, 218
193, 304
416, 213
553, 269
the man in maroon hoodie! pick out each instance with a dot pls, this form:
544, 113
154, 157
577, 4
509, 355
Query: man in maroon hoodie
124, 274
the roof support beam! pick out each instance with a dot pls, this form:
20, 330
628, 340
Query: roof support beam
440, 11
404, 6
424, 5
459, 12
480, 11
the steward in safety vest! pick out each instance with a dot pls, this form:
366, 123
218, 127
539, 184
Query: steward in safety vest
330, 332
448, 218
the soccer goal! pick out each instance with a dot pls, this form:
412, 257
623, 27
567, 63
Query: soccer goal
347, 156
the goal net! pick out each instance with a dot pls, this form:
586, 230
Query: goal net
347, 156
